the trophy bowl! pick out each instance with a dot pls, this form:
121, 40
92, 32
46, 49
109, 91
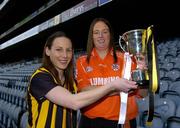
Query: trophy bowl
135, 43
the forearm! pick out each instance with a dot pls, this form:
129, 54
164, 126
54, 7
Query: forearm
88, 97
64, 98
95, 86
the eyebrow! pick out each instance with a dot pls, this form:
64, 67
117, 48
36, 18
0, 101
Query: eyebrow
102, 30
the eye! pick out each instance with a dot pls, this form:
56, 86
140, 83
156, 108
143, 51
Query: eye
69, 50
96, 32
59, 49
106, 31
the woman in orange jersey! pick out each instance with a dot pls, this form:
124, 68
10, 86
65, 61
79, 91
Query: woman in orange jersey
51, 101
102, 65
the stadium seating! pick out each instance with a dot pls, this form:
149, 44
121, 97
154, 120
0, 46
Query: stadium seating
13, 91
174, 121
14, 79
167, 103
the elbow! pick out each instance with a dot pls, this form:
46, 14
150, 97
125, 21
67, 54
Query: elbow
75, 108
75, 105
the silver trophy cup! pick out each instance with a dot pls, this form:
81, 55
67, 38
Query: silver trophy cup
134, 42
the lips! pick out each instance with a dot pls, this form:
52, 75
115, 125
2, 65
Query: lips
63, 61
101, 41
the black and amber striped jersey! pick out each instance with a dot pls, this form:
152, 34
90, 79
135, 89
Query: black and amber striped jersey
42, 112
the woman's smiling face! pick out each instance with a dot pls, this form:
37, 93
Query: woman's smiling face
60, 52
101, 36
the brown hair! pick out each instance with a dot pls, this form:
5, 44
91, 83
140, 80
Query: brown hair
68, 72
90, 43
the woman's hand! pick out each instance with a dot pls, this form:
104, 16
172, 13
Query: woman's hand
122, 84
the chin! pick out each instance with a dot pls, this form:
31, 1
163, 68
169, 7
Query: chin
63, 67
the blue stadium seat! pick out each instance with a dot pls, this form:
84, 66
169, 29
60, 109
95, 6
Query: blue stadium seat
172, 95
168, 66
24, 120
175, 86
173, 74
174, 121
164, 86
164, 108
142, 107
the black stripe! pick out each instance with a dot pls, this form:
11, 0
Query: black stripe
29, 110
151, 95
74, 118
69, 119
59, 116
39, 109
49, 116
151, 99
151, 107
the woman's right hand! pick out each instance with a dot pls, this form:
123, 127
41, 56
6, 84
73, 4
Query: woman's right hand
122, 84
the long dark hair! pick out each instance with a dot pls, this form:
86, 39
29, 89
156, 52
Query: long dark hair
90, 42
46, 62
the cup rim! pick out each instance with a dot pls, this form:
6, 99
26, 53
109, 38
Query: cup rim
134, 30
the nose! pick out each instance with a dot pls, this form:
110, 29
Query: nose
100, 34
64, 54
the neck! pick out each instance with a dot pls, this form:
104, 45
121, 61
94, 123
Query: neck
102, 53
61, 76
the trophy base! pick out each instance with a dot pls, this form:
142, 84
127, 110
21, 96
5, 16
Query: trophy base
143, 83
140, 77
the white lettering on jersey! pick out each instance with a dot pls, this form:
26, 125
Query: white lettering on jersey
102, 80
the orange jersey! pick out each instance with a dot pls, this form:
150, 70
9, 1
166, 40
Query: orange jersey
99, 72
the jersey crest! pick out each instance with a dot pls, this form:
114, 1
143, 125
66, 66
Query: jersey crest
115, 67
89, 69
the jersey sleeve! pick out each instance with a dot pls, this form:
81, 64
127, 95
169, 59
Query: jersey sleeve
41, 84
81, 75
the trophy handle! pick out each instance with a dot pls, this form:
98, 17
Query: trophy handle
120, 37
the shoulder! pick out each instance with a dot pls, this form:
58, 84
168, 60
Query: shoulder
120, 54
41, 73
81, 58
